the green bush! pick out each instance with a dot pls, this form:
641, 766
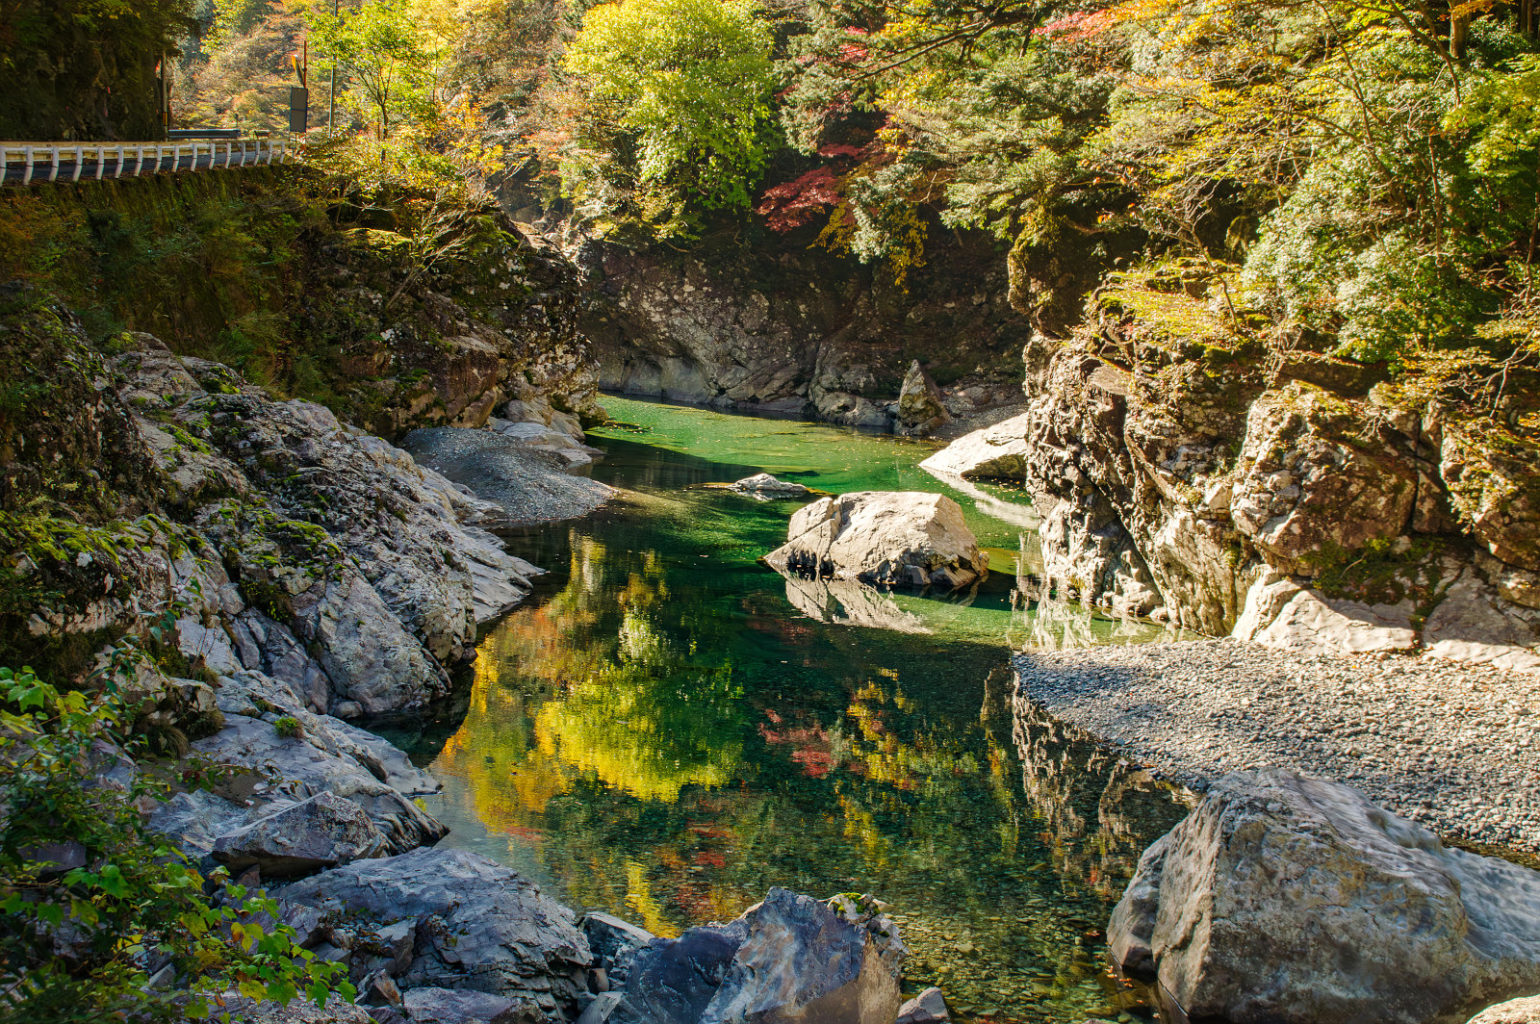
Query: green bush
94, 904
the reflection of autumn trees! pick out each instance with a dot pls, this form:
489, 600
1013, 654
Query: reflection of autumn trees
671, 748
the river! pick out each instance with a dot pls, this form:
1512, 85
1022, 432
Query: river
668, 729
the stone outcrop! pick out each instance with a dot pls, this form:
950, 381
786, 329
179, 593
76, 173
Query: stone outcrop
293, 544
1179, 471
780, 326
897, 538
790, 958
478, 926
1283, 899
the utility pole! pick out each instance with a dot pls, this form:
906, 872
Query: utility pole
331, 116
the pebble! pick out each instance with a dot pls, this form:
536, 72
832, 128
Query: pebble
1443, 743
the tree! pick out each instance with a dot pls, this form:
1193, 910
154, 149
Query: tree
676, 112
382, 48
86, 69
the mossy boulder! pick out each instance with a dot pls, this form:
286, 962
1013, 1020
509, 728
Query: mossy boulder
1493, 476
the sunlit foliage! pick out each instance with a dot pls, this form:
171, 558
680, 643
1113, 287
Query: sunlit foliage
676, 108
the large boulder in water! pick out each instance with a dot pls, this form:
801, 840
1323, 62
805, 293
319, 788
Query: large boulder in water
997, 452
789, 959
904, 538
1287, 900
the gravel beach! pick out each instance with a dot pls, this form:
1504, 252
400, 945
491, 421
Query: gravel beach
1453, 746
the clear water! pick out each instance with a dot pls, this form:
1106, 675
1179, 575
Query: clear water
667, 731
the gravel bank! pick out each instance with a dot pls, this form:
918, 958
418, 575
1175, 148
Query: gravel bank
530, 485
1453, 746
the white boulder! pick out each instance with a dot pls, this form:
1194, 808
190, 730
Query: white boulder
997, 452
906, 538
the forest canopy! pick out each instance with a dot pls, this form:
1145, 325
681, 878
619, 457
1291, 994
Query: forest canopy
1354, 177
86, 69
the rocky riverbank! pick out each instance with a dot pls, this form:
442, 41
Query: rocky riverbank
1303, 501
1451, 746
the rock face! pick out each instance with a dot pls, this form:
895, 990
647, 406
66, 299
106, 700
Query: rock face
479, 926
1283, 899
1176, 470
780, 326
790, 958
299, 547
902, 538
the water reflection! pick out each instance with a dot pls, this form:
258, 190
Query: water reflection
671, 729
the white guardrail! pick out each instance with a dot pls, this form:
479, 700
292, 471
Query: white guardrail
27, 162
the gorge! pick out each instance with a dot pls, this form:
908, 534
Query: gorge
703, 511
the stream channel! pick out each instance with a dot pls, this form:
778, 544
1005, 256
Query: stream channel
667, 729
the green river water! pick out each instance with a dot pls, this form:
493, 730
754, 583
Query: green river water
670, 728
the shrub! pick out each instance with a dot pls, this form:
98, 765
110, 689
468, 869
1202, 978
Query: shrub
94, 904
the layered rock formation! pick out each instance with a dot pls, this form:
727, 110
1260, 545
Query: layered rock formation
1283, 899
1182, 471
281, 540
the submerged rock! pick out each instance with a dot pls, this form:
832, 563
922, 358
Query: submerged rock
1281, 899
790, 958
848, 603
766, 487
905, 538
